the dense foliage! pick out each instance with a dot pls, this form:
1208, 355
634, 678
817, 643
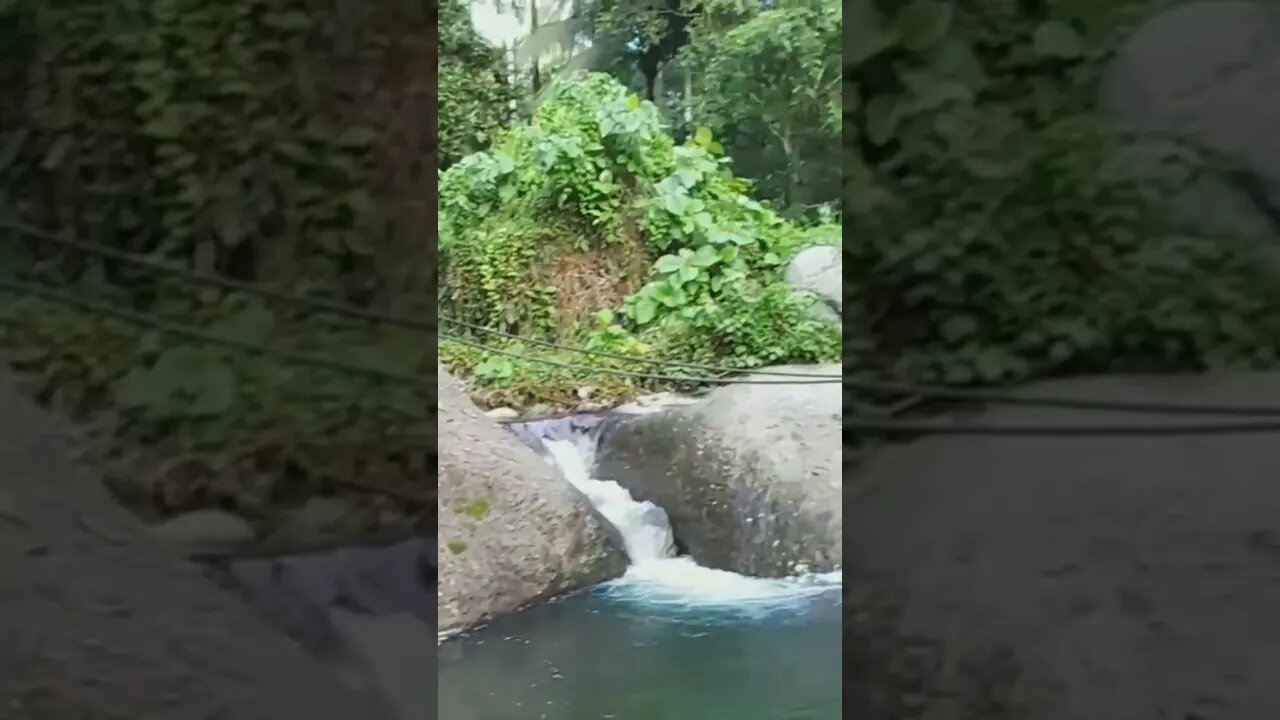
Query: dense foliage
770, 89
280, 142
477, 98
998, 230
593, 201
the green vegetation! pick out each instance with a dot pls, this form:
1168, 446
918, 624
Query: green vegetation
997, 229
266, 141
1000, 231
654, 249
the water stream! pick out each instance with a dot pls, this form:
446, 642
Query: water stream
669, 640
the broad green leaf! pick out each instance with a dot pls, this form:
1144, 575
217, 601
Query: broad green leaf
921, 24
882, 118
253, 324
138, 390
645, 309
702, 137
958, 327
954, 58
865, 35
688, 271
706, 256
930, 92
217, 390
1056, 39
670, 295
175, 369
668, 264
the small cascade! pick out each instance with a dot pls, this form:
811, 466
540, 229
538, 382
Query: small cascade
657, 575
644, 527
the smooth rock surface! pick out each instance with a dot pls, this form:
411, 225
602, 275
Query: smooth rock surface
100, 621
749, 476
819, 270
319, 518
511, 530
203, 527
1070, 578
1204, 75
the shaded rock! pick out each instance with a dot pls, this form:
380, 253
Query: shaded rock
1202, 75
398, 578
749, 476
204, 527
101, 621
402, 654
818, 270
1059, 578
511, 530
364, 609
317, 518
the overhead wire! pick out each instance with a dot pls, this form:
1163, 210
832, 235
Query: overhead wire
821, 379
219, 281
865, 384
628, 358
148, 321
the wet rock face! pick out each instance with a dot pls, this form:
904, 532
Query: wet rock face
512, 531
749, 476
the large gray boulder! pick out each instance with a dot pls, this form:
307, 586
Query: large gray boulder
1070, 578
749, 476
1202, 77
512, 531
818, 272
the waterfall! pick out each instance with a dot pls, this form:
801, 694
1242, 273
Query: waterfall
656, 573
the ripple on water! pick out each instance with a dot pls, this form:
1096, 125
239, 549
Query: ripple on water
669, 640
634, 649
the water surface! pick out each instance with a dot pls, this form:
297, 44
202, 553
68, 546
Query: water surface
630, 651
670, 640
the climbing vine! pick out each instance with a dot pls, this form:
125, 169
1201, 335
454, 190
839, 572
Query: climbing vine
233, 136
699, 260
276, 141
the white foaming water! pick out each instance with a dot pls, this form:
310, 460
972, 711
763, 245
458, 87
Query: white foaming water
656, 575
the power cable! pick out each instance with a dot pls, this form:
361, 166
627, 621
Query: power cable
862, 384
927, 392
995, 397
336, 308
152, 322
1154, 430
823, 379
218, 281
628, 358
855, 424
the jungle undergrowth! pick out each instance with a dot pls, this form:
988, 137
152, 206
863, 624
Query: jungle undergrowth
702, 261
997, 230
184, 426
